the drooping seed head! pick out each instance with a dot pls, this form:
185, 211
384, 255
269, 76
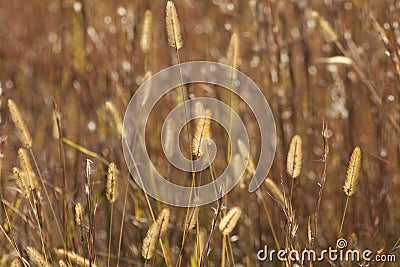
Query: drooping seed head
230, 220
150, 241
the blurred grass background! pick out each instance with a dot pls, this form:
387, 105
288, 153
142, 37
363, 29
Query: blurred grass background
79, 55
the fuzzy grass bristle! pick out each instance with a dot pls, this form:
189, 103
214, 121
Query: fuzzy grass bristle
328, 32
16, 117
22, 182
62, 263
201, 133
229, 221
16, 263
275, 191
293, 163
112, 183
78, 210
117, 119
147, 89
233, 51
173, 27
163, 220
74, 258
353, 172
37, 258
27, 167
193, 218
169, 138
246, 155
150, 241
146, 38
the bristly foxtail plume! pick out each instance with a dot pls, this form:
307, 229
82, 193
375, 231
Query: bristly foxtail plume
117, 119
62, 263
229, 221
201, 133
16, 117
245, 153
147, 88
74, 258
78, 210
27, 168
112, 182
193, 218
328, 32
150, 241
173, 27
293, 163
169, 138
275, 191
79, 220
22, 182
16, 263
145, 40
36, 257
353, 172
163, 220
233, 51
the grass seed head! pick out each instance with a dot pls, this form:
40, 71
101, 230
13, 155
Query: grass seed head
173, 27
230, 220
112, 183
150, 241
146, 38
353, 172
16, 117
293, 163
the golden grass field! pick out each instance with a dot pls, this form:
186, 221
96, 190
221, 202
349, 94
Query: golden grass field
330, 71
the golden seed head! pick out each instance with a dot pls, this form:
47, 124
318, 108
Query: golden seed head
202, 132
78, 214
36, 257
353, 172
145, 40
62, 263
229, 221
74, 258
293, 163
22, 182
27, 167
163, 220
173, 27
147, 88
246, 155
328, 32
150, 241
16, 263
117, 119
16, 117
233, 51
169, 138
193, 218
275, 191
112, 183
